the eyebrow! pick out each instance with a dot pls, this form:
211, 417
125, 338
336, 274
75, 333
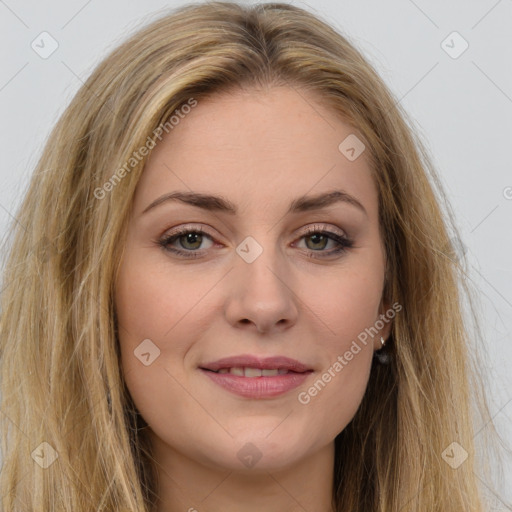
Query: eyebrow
219, 204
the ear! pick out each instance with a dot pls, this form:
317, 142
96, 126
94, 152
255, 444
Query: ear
384, 322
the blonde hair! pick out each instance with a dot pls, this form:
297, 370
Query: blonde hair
61, 378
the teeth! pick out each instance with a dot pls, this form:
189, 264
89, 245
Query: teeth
253, 372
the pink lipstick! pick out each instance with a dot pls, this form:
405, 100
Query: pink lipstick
254, 377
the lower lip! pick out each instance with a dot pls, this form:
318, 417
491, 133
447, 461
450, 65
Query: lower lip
258, 387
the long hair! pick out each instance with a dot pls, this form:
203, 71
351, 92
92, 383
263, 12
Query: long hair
72, 438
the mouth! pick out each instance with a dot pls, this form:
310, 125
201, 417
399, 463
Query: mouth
256, 378
254, 366
249, 371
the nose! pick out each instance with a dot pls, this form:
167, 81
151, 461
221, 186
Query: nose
262, 294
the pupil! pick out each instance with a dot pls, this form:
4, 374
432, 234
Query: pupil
318, 238
189, 238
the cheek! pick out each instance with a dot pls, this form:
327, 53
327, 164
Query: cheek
157, 318
334, 395
345, 310
345, 307
156, 305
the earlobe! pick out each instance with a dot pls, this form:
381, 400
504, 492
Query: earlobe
384, 323
382, 352
383, 356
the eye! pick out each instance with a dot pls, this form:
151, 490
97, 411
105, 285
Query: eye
188, 239
319, 239
187, 242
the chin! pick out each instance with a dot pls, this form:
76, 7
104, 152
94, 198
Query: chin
252, 459
261, 450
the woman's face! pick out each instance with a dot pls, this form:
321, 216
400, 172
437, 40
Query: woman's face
260, 284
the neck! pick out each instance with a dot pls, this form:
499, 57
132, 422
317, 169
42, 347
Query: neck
186, 485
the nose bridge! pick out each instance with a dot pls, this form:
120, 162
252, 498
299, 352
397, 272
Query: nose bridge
261, 260
262, 292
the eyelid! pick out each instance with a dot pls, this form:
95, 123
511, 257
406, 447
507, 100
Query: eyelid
324, 227
313, 228
187, 228
337, 235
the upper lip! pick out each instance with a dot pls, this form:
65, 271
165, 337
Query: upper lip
267, 363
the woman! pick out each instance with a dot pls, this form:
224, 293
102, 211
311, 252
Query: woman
182, 342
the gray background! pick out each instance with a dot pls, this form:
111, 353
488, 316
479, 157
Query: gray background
462, 108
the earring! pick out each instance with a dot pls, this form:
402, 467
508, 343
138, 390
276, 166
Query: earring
381, 355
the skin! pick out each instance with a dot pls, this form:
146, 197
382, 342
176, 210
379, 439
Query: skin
289, 301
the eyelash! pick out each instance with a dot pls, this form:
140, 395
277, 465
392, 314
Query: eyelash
343, 242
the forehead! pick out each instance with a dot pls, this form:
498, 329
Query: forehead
256, 148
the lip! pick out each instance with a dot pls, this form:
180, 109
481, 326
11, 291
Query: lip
257, 387
267, 363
